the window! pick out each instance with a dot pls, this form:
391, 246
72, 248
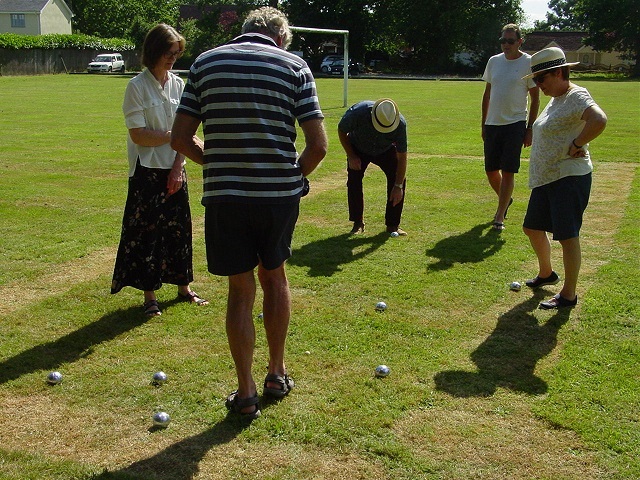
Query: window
17, 20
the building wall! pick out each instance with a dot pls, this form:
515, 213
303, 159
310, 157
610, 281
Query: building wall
54, 20
31, 24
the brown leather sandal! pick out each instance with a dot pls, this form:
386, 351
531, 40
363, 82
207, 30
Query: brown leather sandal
236, 404
193, 297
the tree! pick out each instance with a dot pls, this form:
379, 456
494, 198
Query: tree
130, 19
421, 36
610, 25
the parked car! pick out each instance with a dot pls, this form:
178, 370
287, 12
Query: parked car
328, 60
337, 68
106, 62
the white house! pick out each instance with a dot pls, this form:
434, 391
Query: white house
35, 17
572, 43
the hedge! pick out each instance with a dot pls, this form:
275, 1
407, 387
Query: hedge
52, 41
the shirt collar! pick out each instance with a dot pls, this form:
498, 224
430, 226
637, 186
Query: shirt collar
254, 38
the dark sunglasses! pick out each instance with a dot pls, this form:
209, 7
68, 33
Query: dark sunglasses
538, 79
510, 41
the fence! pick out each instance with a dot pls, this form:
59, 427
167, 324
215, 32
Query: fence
41, 62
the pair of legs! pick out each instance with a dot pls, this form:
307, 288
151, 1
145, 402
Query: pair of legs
571, 259
502, 149
241, 330
241, 237
388, 163
558, 207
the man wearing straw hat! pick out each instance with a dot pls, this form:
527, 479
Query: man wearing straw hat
560, 172
506, 126
375, 132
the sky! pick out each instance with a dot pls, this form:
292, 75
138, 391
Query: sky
534, 10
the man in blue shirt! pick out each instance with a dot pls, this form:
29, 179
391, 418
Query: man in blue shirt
375, 132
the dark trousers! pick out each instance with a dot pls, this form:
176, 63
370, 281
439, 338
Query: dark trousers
388, 162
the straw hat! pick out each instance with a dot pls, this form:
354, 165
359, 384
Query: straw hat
546, 59
385, 115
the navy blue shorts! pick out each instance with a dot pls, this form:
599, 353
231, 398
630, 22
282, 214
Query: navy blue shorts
558, 206
503, 146
238, 236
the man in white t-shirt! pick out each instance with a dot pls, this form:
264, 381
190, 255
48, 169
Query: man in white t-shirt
506, 126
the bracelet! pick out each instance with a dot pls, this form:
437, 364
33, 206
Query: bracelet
399, 185
574, 144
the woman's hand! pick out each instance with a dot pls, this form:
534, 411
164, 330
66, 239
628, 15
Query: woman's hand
176, 176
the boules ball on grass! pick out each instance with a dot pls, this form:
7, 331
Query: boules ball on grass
54, 378
161, 419
159, 378
382, 371
395, 234
515, 286
381, 306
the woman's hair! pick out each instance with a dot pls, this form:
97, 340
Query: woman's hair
268, 21
564, 71
159, 41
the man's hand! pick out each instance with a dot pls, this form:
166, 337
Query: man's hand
354, 162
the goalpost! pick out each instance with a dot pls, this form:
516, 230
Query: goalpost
345, 34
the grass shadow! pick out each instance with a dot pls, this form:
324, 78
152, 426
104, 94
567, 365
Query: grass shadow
325, 257
508, 357
469, 247
71, 347
180, 461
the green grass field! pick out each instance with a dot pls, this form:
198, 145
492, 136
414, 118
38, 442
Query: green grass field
482, 385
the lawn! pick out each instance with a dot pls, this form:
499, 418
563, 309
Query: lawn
482, 384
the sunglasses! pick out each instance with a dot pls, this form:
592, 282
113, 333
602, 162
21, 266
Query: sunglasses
510, 41
176, 54
538, 79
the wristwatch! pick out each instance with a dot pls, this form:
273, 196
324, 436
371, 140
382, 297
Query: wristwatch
399, 185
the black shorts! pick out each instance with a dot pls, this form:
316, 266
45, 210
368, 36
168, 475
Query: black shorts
238, 236
558, 206
503, 146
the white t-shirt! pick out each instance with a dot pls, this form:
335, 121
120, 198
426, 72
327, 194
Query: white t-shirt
553, 131
509, 92
147, 104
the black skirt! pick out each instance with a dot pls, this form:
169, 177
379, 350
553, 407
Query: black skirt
156, 240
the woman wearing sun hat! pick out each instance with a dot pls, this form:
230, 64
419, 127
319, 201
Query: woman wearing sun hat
560, 172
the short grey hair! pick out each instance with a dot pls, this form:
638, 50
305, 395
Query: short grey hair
268, 21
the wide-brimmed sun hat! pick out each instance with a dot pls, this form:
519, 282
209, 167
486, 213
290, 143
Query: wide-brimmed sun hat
385, 115
552, 57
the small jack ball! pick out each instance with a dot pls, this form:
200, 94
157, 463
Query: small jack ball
381, 306
159, 378
161, 419
54, 378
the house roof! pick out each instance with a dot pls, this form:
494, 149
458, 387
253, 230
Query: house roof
567, 41
22, 5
